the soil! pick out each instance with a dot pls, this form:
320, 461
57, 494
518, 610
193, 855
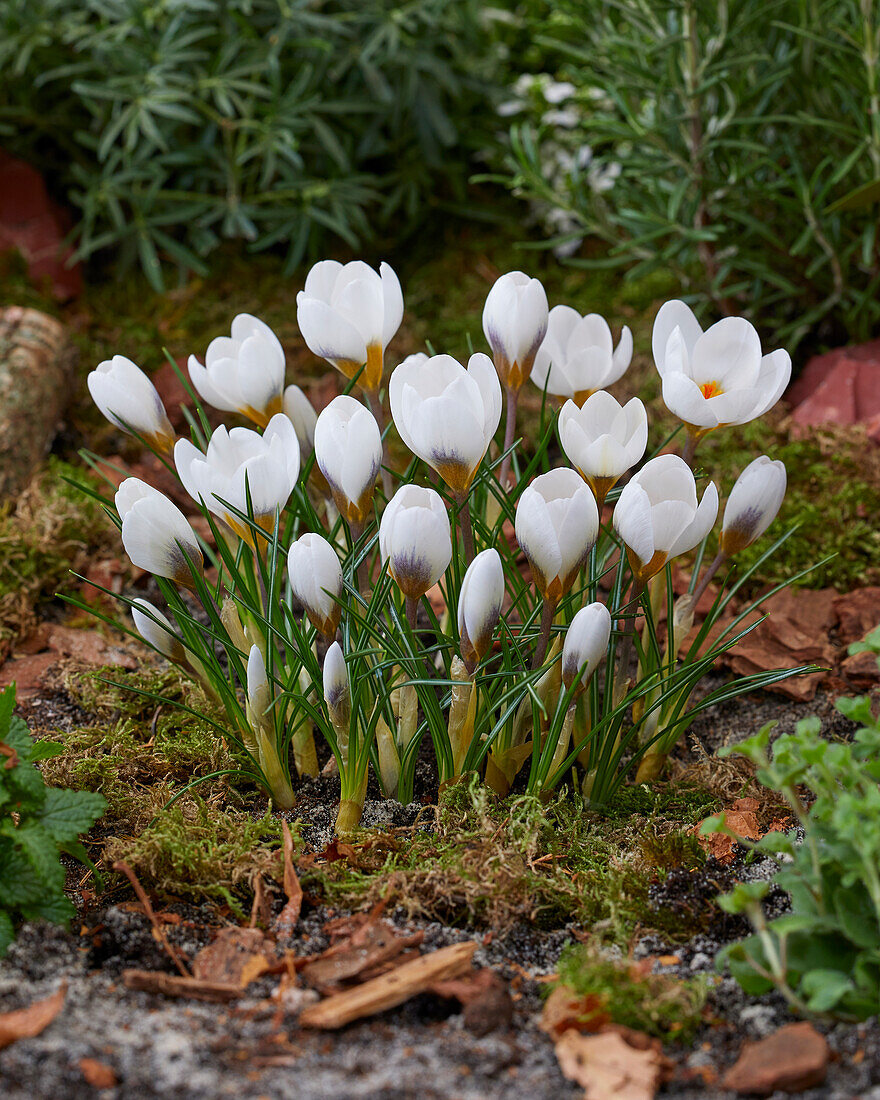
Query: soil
159, 1047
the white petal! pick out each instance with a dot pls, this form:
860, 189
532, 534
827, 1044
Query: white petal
327, 334
672, 315
393, 297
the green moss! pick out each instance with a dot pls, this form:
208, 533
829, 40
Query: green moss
52, 528
498, 863
628, 993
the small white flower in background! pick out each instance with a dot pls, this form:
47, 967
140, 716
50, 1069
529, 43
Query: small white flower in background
585, 645
515, 322
578, 357
155, 533
658, 517
557, 523
243, 372
337, 689
753, 504
479, 606
129, 400
719, 376
258, 694
316, 579
301, 413
414, 539
156, 629
348, 450
445, 414
241, 461
557, 91
603, 439
567, 117
348, 314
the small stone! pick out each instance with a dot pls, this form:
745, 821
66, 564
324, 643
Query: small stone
791, 1059
701, 961
760, 1019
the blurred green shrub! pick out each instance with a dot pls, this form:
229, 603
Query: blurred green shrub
172, 124
735, 144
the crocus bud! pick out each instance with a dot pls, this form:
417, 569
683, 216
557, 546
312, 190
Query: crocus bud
337, 689
316, 579
348, 450
586, 642
658, 517
157, 630
258, 694
414, 539
718, 376
557, 523
299, 410
348, 314
515, 323
155, 533
602, 439
479, 606
129, 400
239, 463
243, 372
578, 357
753, 504
445, 414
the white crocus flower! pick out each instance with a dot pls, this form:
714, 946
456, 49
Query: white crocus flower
557, 522
129, 400
258, 695
658, 517
157, 630
243, 372
603, 439
316, 579
415, 540
753, 504
348, 314
716, 377
586, 642
445, 414
348, 450
515, 323
301, 413
479, 605
155, 533
578, 357
241, 462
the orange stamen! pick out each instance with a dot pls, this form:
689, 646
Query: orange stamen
710, 389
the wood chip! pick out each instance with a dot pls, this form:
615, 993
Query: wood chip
369, 946
237, 956
159, 981
97, 1074
289, 915
607, 1065
390, 989
25, 1023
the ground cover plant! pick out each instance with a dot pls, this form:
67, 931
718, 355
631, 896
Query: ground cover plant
499, 671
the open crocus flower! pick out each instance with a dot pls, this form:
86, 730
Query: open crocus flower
156, 629
479, 606
578, 357
243, 372
348, 313
445, 414
129, 400
715, 377
586, 642
515, 323
155, 532
239, 462
414, 539
658, 517
753, 504
348, 450
316, 579
557, 522
602, 439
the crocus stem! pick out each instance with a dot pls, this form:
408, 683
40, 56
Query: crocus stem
363, 577
509, 435
379, 414
690, 446
466, 527
411, 608
548, 610
719, 560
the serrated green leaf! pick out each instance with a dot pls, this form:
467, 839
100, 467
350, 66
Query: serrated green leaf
7, 932
66, 814
41, 851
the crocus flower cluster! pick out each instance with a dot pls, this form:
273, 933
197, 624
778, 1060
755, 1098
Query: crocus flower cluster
482, 600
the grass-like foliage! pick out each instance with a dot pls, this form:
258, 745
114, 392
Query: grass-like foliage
708, 140
823, 956
171, 127
37, 824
